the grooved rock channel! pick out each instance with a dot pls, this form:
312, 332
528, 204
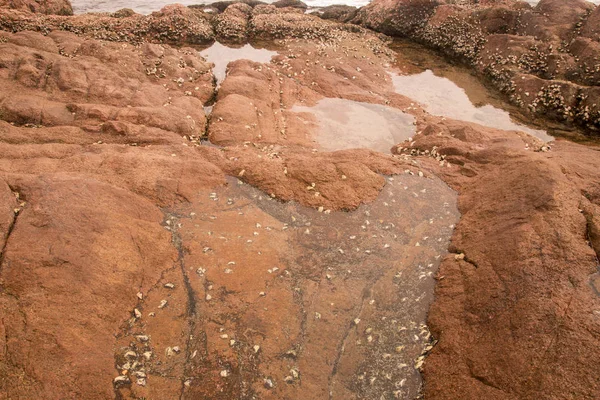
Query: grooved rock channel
150, 250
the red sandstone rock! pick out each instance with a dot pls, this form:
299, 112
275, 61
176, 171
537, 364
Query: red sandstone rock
536, 304
58, 7
116, 196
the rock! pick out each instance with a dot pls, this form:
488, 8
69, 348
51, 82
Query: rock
172, 24
539, 206
290, 3
339, 13
396, 18
222, 5
232, 24
591, 26
57, 7
113, 182
123, 13
506, 41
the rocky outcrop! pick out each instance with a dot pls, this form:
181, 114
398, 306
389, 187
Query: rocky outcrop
109, 282
183, 25
221, 6
545, 59
150, 251
514, 309
232, 24
339, 13
173, 24
290, 3
58, 7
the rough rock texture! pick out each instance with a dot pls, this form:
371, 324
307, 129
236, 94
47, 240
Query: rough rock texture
222, 5
546, 59
173, 24
110, 281
177, 24
290, 3
58, 7
232, 24
339, 13
139, 259
516, 305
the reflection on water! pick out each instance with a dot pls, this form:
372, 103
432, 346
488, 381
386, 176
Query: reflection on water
346, 124
222, 55
440, 96
453, 91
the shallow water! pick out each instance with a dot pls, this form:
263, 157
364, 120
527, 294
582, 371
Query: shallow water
452, 91
374, 265
346, 124
442, 97
222, 55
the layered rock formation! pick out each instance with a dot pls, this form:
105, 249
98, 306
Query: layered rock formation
150, 251
546, 59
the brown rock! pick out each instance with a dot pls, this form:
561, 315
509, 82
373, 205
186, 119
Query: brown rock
58, 7
396, 18
538, 308
172, 24
290, 3
232, 24
134, 268
339, 13
503, 41
591, 26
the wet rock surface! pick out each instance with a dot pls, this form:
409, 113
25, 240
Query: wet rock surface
149, 250
546, 59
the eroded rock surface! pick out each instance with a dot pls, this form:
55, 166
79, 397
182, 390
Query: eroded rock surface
516, 304
151, 251
546, 59
58, 7
122, 274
